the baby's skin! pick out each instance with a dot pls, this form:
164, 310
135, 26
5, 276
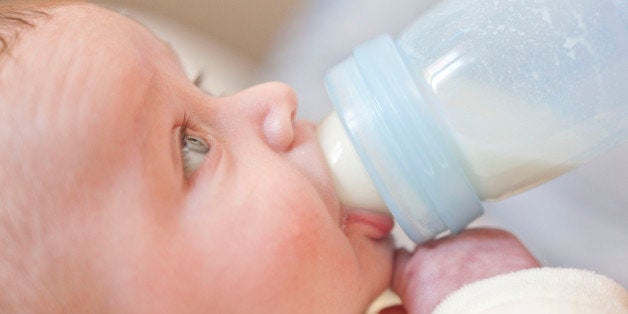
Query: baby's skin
102, 210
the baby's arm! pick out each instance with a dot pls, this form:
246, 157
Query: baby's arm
428, 276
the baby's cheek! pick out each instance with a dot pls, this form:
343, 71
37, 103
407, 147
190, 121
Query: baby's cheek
274, 244
313, 262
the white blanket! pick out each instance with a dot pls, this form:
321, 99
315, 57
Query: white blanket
539, 290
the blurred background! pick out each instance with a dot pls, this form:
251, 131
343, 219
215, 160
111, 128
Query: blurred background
577, 220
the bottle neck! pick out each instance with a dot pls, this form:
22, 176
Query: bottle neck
351, 180
399, 142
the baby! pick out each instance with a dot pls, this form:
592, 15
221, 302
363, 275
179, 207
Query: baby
126, 189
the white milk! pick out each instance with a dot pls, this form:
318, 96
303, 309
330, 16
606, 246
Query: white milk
495, 168
505, 145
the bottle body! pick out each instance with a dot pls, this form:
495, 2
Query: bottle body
527, 89
497, 96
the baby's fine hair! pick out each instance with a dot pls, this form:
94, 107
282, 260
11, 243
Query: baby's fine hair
15, 16
18, 15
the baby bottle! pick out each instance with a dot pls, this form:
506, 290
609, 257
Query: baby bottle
476, 100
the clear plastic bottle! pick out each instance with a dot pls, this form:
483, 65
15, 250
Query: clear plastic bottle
476, 100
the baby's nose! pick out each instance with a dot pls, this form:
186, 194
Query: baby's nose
279, 105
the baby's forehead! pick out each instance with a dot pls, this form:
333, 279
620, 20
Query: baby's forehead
77, 100
84, 73
82, 51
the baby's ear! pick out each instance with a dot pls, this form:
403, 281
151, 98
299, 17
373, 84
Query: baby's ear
424, 278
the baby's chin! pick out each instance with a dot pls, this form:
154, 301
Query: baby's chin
374, 257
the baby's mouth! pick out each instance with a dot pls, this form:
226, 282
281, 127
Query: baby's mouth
377, 225
312, 164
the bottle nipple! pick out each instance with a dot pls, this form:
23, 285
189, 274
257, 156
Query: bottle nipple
351, 180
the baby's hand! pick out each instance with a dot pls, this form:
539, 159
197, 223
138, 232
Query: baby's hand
424, 278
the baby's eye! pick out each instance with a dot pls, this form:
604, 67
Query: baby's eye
193, 151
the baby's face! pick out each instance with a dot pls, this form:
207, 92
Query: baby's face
255, 226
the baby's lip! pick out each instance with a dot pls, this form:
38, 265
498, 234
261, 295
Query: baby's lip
377, 225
